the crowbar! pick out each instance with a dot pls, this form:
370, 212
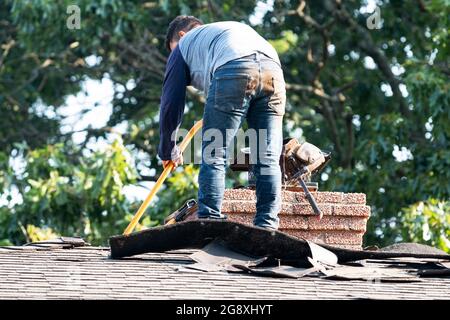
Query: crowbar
161, 179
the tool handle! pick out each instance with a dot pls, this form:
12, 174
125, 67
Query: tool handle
161, 180
191, 133
311, 199
148, 199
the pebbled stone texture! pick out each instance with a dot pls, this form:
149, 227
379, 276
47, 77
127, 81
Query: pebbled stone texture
343, 224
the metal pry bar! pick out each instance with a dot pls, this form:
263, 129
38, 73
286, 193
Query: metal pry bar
312, 201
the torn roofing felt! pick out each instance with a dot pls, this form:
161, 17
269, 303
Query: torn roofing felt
248, 240
216, 257
337, 272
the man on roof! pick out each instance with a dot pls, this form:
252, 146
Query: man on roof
241, 76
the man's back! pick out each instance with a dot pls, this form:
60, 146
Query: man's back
207, 47
243, 74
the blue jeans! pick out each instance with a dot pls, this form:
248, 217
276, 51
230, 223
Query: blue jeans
250, 88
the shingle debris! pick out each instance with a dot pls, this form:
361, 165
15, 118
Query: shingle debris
234, 247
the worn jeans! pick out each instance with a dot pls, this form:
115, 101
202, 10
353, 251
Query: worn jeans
250, 88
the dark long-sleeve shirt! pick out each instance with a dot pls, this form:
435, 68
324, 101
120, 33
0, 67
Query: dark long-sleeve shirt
173, 97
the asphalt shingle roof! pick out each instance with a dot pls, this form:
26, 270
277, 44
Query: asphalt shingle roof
89, 273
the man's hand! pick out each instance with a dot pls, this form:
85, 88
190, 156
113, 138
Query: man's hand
178, 161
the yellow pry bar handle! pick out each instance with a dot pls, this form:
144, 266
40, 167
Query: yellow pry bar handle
161, 179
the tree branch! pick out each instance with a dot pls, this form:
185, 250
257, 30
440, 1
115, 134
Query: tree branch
316, 91
368, 46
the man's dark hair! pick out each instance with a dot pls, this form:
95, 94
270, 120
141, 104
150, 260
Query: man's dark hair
180, 23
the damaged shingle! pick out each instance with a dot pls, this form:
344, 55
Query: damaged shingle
241, 238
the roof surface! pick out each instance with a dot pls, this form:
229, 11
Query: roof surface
89, 273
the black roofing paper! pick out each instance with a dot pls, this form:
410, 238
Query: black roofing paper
249, 240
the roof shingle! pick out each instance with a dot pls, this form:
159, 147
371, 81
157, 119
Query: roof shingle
88, 273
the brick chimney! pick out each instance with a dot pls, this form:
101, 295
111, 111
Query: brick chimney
343, 224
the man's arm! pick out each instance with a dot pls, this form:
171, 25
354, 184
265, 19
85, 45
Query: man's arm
173, 97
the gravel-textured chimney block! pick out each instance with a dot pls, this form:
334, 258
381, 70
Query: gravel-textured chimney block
343, 224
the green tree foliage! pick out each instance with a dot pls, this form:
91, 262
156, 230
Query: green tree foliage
427, 222
70, 194
377, 98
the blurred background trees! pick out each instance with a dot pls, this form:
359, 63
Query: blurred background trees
377, 98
